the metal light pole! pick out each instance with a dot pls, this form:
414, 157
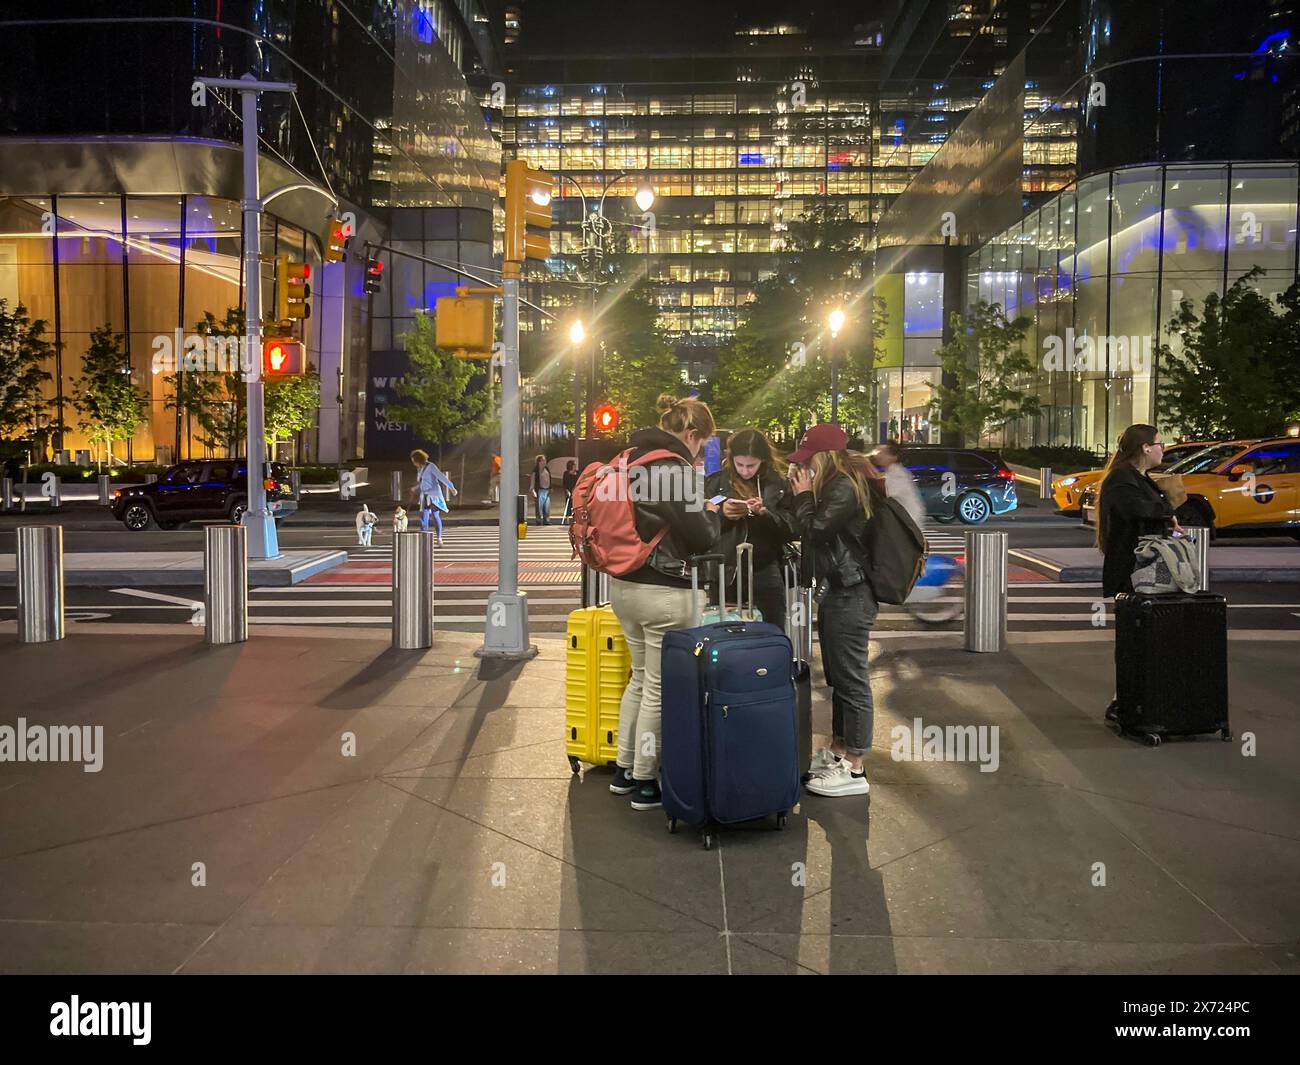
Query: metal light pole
836, 324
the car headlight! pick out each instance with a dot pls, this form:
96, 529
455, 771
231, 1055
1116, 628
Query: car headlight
1065, 482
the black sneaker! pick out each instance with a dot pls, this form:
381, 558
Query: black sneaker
647, 795
1112, 711
622, 783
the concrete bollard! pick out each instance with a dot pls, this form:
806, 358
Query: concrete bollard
295, 483
105, 490
396, 486
40, 583
413, 589
985, 624
52, 489
225, 584
1198, 539
1045, 482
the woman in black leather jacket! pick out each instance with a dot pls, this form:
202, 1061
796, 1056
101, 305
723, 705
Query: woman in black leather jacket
833, 499
757, 511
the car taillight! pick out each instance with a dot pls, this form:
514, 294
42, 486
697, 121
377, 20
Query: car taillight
1006, 474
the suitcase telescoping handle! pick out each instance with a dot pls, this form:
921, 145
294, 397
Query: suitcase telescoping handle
697, 561
744, 563
798, 613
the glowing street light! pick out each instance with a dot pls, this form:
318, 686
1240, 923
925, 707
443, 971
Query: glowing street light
645, 196
836, 321
577, 333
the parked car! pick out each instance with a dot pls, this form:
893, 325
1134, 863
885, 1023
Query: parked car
1237, 485
969, 484
199, 490
1068, 490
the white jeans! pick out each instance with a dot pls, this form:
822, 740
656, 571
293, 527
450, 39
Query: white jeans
646, 612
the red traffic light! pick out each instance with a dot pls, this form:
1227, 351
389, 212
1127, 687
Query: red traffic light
606, 419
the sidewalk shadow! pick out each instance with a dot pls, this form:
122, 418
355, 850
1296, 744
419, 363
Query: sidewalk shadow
373, 681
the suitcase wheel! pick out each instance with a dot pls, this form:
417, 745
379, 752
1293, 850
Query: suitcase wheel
781, 819
672, 825
707, 838
1151, 739
573, 764
1225, 734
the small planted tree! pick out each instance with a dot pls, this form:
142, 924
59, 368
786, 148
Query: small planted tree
434, 396
110, 405
1237, 371
988, 365
23, 352
291, 405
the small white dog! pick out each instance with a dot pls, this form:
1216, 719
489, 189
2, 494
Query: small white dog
366, 521
399, 520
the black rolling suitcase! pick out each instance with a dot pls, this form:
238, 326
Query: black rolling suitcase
1171, 665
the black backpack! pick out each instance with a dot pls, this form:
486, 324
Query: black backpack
895, 549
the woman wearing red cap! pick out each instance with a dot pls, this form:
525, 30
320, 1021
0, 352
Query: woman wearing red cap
833, 490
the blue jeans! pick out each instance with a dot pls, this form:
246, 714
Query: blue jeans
543, 506
844, 620
437, 519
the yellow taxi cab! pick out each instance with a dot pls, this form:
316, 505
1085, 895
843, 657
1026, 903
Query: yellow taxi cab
1067, 491
1252, 484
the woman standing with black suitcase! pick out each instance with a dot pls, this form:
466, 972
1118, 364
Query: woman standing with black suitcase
1129, 506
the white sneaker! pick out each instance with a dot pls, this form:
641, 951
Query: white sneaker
823, 760
839, 780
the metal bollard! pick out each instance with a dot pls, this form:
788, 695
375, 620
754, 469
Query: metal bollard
396, 483
105, 490
150, 478
1198, 539
295, 483
225, 584
986, 591
40, 583
7, 493
1045, 482
413, 589
52, 489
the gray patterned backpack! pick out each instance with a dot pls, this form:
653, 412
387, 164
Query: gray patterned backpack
1164, 567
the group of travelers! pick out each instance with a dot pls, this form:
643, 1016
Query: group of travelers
822, 496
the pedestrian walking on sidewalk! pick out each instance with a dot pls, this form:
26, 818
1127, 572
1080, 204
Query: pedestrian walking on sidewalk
656, 598
835, 490
540, 489
428, 491
1129, 506
570, 483
899, 482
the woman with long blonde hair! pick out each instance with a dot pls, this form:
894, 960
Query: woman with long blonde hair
835, 491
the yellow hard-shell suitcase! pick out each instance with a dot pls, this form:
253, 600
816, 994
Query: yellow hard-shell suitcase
597, 669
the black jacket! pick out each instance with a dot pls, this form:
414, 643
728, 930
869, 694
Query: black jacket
692, 530
1131, 506
769, 533
832, 529
570, 480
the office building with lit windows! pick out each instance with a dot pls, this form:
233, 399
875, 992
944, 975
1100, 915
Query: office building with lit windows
120, 198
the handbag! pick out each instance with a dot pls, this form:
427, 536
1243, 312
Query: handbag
1164, 567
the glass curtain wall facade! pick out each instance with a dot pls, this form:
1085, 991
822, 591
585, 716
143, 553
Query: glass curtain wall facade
1103, 267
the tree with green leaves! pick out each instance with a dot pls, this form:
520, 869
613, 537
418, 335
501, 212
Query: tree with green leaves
1236, 373
112, 408
214, 400
23, 352
988, 366
634, 363
435, 394
291, 404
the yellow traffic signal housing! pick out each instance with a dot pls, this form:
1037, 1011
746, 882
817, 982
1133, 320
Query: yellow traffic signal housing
292, 289
336, 240
528, 206
464, 325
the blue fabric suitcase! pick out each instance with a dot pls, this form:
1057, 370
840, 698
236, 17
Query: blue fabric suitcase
730, 737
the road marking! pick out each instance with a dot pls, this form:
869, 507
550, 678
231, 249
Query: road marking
188, 604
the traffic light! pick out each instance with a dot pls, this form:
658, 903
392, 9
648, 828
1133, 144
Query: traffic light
528, 205
336, 240
292, 289
463, 325
374, 274
605, 419
282, 357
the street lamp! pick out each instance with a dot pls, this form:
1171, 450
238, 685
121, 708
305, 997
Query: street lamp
645, 196
577, 333
836, 322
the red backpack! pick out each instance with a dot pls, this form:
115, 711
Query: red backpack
603, 532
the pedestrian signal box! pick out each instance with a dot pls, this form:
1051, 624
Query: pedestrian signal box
463, 325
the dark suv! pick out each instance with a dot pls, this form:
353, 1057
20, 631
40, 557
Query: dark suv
966, 483
201, 490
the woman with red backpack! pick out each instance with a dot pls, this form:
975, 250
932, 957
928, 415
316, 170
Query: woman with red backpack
656, 598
